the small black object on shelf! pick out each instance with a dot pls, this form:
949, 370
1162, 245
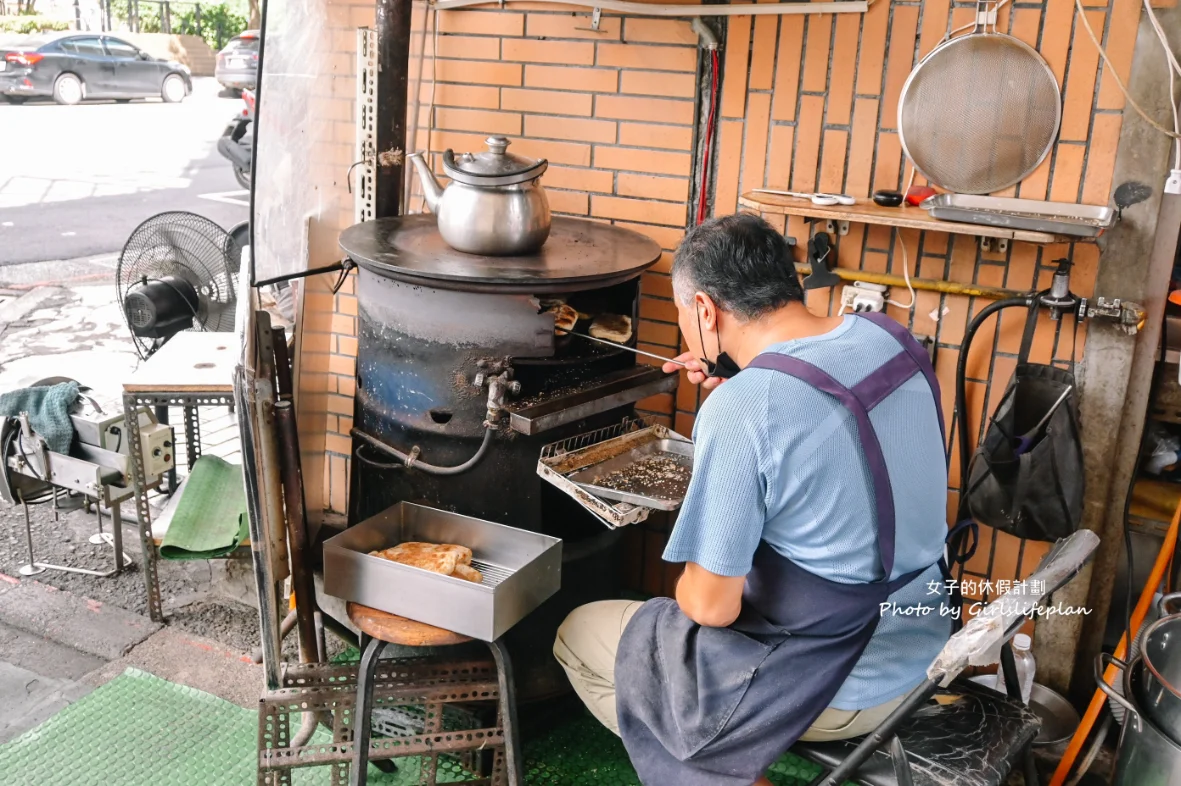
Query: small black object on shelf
887, 198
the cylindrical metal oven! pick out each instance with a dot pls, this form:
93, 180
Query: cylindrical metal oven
449, 341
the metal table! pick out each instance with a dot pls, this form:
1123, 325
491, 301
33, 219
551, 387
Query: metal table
192, 370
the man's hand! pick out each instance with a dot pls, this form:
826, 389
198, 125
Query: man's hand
697, 374
709, 599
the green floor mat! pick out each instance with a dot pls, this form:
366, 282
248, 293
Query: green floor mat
139, 730
210, 518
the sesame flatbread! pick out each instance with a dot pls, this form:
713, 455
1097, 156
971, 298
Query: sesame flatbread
468, 573
612, 327
445, 558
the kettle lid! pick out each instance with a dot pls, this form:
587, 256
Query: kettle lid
481, 168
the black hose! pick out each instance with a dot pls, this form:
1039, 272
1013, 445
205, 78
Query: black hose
961, 386
412, 462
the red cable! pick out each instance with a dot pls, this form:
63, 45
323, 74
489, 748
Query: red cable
702, 203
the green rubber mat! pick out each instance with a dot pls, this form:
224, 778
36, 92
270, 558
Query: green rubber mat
139, 730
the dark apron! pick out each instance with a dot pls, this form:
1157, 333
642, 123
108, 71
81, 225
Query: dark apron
704, 706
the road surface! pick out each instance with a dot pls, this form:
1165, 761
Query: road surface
75, 181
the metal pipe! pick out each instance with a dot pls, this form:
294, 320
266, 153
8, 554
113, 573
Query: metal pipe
297, 532
926, 284
285, 627
261, 516
393, 57
685, 11
411, 460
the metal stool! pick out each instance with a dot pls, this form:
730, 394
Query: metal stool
379, 629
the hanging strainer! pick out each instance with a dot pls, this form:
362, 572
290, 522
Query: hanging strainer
981, 111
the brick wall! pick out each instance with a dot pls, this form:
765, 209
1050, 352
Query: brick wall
807, 102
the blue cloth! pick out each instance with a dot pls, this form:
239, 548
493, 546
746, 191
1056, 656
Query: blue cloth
49, 412
777, 460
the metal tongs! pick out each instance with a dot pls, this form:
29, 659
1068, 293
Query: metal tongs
589, 337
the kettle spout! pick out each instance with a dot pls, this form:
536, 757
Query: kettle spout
430, 186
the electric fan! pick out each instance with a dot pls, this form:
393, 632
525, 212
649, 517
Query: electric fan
176, 273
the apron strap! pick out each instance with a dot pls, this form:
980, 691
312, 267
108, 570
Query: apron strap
883, 493
916, 353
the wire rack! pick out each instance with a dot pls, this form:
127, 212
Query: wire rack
561, 459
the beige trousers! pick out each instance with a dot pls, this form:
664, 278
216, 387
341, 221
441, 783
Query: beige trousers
589, 638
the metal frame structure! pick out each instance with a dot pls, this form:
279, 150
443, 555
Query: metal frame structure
388, 684
190, 401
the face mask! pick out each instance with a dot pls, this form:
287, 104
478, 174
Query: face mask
724, 367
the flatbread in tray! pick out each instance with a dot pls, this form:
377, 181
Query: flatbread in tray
445, 558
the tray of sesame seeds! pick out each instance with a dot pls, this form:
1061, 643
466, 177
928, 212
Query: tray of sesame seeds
621, 473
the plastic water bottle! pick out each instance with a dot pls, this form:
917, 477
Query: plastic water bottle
1026, 667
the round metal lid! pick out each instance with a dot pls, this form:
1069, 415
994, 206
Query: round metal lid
579, 254
494, 167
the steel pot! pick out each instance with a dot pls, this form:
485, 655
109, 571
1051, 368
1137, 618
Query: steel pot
1146, 754
494, 204
1160, 647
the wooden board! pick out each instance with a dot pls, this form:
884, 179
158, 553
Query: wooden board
905, 217
189, 363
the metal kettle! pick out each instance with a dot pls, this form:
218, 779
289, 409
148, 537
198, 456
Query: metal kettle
494, 204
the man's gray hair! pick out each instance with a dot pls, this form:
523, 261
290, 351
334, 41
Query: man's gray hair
741, 262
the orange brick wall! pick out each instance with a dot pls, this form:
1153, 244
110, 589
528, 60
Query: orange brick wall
807, 103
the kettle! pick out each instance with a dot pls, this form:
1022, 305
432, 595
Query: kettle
494, 204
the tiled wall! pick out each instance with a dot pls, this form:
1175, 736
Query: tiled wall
807, 102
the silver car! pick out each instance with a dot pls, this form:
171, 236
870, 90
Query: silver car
237, 63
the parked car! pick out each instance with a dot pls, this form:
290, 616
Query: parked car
71, 67
237, 63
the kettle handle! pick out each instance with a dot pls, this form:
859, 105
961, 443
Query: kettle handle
449, 158
1101, 666
1162, 605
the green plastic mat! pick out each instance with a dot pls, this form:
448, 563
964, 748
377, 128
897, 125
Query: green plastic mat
210, 516
139, 730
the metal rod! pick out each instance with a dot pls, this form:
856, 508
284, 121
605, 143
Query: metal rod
32, 569
625, 347
925, 284
297, 532
687, 11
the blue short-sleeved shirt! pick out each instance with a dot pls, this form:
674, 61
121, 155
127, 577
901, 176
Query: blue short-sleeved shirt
778, 460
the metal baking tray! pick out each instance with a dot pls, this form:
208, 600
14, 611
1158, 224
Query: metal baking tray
521, 570
1059, 218
578, 466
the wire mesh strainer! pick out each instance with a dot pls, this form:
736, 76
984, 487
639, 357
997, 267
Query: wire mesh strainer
980, 112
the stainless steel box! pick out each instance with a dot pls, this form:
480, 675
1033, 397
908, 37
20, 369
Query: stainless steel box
521, 569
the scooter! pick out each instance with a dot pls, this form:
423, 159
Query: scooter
237, 141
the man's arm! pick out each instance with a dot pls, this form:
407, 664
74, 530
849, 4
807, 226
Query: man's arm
709, 599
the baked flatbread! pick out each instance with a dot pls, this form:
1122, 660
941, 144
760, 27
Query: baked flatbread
468, 573
565, 318
445, 558
612, 327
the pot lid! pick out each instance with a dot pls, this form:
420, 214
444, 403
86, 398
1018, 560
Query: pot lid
494, 167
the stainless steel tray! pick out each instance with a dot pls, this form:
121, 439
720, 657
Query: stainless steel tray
1059, 218
521, 570
648, 492
578, 466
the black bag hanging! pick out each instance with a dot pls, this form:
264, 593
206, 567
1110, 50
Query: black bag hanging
1026, 476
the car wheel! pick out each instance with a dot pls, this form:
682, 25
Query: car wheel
122, 100
173, 90
68, 90
17, 99
242, 176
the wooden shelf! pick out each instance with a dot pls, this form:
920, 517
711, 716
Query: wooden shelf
905, 217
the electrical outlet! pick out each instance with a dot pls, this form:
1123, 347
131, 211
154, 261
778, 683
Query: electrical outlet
863, 296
